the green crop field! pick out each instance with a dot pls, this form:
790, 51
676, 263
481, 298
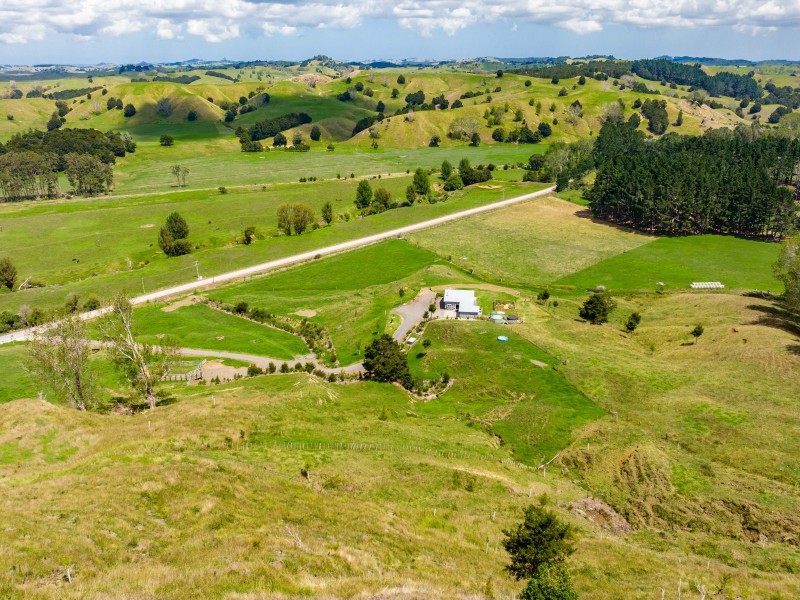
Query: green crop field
737, 263
198, 326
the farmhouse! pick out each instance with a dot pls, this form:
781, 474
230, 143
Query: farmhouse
463, 302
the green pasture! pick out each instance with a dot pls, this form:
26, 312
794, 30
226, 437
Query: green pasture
497, 386
108, 242
529, 244
739, 264
198, 326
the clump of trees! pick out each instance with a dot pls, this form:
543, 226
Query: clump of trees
294, 218
268, 128
721, 182
172, 236
88, 175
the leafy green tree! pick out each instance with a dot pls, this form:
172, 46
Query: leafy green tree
411, 194
597, 308
551, 583
385, 361
129, 110
435, 141
380, 107
294, 218
787, 269
363, 194
679, 120
191, 115
453, 182
249, 235
8, 273
315, 133
166, 140
87, 174
172, 236
381, 200
697, 332
499, 135
475, 139
545, 129
327, 212
581, 80
446, 169
421, 182
59, 356
279, 140
55, 122
401, 79
540, 541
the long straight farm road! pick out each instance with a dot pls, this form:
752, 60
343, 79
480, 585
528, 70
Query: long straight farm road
25, 334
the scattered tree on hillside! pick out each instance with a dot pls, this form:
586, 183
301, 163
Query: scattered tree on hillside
164, 107
8, 273
58, 356
551, 583
363, 194
166, 140
129, 110
279, 140
541, 540
172, 236
315, 133
327, 212
435, 141
248, 235
446, 169
421, 182
633, 322
475, 139
143, 365
411, 195
697, 332
385, 361
179, 173
381, 200
401, 79
787, 269
294, 218
597, 308
191, 115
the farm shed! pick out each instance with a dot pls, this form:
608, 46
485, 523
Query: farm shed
463, 302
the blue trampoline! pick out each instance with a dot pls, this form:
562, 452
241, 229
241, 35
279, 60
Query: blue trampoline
502, 338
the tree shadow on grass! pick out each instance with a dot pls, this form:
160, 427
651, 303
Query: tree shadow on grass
587, 214
793, 348
777, 316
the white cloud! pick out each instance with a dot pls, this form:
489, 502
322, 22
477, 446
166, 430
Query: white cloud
214, 21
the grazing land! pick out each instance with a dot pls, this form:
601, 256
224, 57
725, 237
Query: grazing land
198, 326
669, 441
738, 263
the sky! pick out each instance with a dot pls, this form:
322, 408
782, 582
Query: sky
130, 31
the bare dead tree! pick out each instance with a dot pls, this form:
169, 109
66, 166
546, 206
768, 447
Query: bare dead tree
144, 365
58, 356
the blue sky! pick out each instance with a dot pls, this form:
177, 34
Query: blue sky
92, 31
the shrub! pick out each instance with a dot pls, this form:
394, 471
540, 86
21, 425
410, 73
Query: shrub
166, 140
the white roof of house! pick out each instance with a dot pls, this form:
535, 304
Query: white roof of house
465, 297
